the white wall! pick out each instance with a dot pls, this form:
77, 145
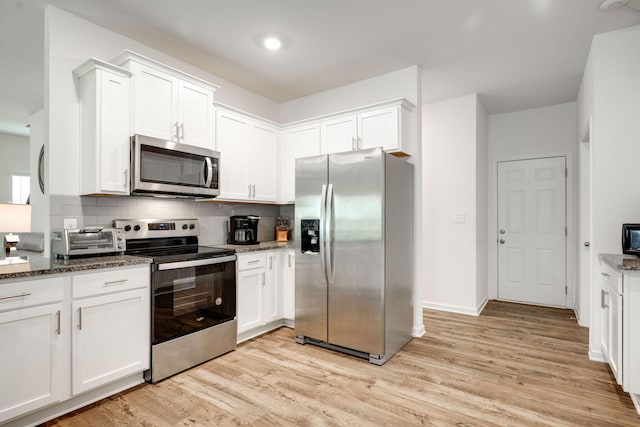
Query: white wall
453, 174
482, 203
14, 161
69, 42
615, 97
39, 201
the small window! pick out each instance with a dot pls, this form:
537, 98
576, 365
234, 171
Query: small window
20, 189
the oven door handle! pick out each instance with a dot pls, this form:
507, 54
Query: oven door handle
196, 263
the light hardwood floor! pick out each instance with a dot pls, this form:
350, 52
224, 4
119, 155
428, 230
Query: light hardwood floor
515, 365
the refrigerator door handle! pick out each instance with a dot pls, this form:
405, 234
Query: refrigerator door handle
321, 233
328, 240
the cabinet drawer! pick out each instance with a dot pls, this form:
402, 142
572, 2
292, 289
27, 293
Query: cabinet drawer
105, 282
612, 277
250, 261
30, 292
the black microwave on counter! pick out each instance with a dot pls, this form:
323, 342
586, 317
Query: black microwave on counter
631, 239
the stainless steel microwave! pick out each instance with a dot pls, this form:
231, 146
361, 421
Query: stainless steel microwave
166, 168
631, 239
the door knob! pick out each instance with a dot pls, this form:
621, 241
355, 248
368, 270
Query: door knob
587, 244
502, 231
502, 241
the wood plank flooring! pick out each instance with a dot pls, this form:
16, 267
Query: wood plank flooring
515, 365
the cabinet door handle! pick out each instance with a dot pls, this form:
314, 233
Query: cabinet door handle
253, 191
264, 279
124, 178
80, 318
603, 298
181, 133
249, 190
604, 274
289, 260
176, 135
58, 325
113, 282
353, 143
24, 294
270, 262
359, 144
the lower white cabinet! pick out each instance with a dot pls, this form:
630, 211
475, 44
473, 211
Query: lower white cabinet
110, 338
68, 334
259, 290
33, 359
288, 284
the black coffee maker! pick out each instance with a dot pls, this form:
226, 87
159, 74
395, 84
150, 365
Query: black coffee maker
243, 230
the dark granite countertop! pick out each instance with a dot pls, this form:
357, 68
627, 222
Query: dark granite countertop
621, 262
36, 265
262, 246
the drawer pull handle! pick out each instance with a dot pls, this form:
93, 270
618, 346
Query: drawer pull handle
80, 318
604, 274
113, 282
255, 261
25, 294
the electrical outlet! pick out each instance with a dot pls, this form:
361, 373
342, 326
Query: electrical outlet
70, 223
460, 218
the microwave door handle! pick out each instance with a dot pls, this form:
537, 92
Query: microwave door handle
209, 172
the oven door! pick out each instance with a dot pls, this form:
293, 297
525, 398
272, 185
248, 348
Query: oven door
192, 295
165, 167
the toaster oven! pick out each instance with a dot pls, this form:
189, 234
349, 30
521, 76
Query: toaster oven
86, 241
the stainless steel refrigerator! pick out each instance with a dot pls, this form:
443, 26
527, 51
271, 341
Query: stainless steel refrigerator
354, 253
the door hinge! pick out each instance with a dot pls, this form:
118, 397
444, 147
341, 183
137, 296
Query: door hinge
566, 290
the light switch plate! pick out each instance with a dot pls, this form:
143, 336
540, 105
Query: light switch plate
70, 223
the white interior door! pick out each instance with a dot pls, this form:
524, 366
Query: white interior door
532, 231
582, 297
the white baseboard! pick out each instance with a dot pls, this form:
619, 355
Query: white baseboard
635, 398
597, 356
418, 331
470, 311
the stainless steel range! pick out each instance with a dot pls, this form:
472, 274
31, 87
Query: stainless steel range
193, 293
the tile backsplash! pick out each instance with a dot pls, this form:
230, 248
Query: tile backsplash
213, 216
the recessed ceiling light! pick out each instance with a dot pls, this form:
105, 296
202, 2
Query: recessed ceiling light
272, 43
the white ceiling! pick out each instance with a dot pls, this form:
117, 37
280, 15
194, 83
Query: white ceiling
516, 54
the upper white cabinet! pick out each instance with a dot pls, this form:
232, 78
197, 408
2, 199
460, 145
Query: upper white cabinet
169, 104
104, 128
383, 126
297, 142
248, 156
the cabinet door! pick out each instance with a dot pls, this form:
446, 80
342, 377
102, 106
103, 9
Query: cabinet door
272, 291
111, 338
195, 115
250, 295
155, 103
264, 147
338, 135
32, 360
605, 318
303, 141
232, 141
288, 284
113, 118
379, 128
615, 334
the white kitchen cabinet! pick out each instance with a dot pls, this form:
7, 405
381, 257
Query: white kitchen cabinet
288, 284
383, 126
259, 291
169, 104
104, 128
33, 364
248, 154
110, 321
611, 318
297, 142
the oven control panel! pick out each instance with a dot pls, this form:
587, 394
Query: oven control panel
154, 228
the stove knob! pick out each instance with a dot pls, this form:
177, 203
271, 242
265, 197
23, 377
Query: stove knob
127, 228
184, 226
192, 226
136, 228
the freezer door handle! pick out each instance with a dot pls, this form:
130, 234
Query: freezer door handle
321, 233
328, 240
